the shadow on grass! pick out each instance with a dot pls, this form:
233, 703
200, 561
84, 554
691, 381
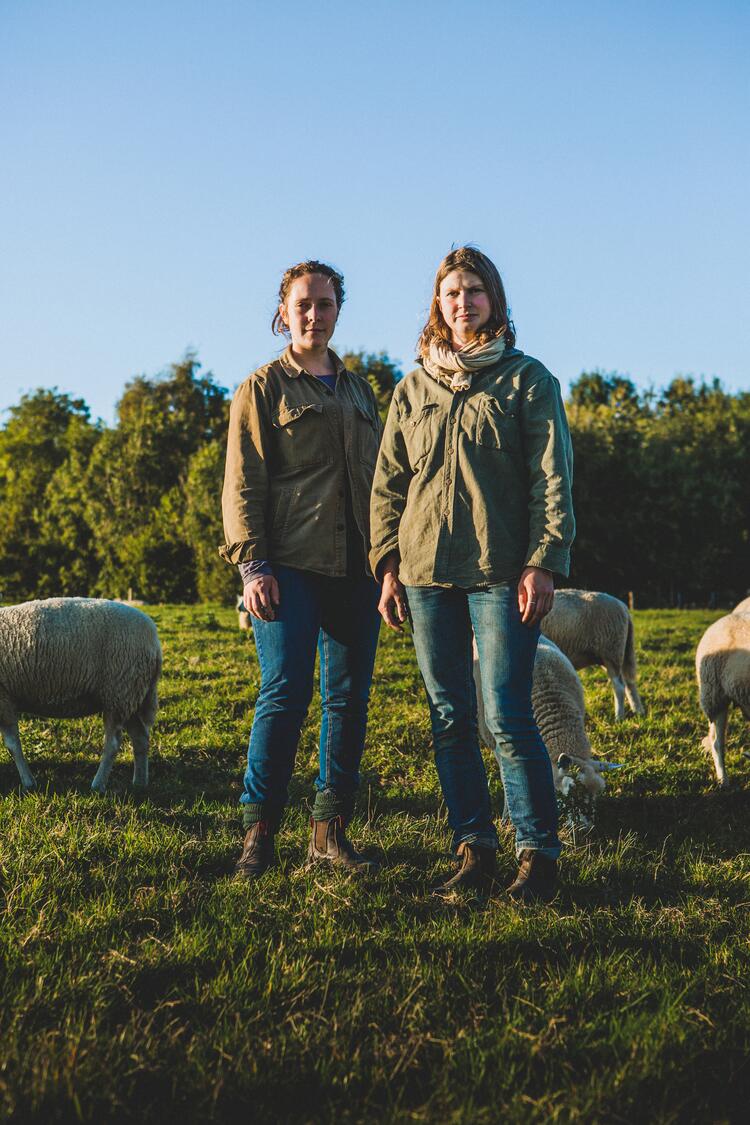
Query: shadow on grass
719, 819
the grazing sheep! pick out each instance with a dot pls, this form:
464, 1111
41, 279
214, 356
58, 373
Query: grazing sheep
722, 665
68, 657
743, 607
594, 628
560, 713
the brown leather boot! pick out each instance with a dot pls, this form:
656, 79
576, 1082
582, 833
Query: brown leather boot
476, 873
329, 844
257, 851
536, 878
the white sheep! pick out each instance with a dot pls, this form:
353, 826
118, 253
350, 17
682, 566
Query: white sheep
722, 665
560, 713
595, 628
743, 607
68, 657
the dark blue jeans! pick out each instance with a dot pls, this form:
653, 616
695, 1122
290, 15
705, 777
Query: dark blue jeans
442, 623
339, 617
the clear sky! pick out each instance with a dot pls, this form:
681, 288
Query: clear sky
163, 162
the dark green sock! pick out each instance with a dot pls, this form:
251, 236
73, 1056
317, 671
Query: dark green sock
329, 803
252, 814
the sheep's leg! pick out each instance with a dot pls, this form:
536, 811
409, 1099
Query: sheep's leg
716, 741
618, 687
139, 734
633, 698
112, 743
12, 740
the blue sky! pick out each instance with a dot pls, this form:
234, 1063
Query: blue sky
164, 162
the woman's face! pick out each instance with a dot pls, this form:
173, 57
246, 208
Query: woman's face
465, 305
310, 311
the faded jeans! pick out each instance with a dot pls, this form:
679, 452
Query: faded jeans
339, 618
442, 623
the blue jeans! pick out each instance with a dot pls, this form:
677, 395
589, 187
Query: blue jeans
442, 623
339, 617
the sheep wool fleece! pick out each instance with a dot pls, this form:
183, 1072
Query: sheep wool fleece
68, 657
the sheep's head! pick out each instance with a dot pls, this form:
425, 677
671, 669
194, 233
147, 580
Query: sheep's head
579, 782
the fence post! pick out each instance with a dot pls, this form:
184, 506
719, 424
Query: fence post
631, 600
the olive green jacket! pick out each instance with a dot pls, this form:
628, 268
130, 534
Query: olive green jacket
471, 486
292, 443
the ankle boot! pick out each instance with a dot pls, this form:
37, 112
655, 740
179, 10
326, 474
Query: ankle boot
257, 851
329, 844
476, 873
536, 878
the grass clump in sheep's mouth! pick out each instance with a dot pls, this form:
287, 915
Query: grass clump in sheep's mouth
141, 983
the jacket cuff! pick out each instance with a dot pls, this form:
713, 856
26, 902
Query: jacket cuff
556, 559
378, 554
258, 568
247, 550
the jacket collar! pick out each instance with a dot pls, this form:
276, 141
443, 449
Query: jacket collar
294, 370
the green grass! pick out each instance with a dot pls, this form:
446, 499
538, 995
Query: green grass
142, 983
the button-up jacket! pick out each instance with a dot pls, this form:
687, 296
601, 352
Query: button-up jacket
471, 486
292, 443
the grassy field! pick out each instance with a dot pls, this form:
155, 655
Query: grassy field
140, 982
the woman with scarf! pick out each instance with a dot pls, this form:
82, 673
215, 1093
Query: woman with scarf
303, 438
471, 516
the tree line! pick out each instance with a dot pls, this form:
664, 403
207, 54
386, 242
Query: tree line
661, 489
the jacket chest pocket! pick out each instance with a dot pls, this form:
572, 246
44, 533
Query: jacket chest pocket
302, 435
497, 428
368, 439
420, 432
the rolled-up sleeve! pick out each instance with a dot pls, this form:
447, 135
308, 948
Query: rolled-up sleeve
549, 460
389, 489
245, 491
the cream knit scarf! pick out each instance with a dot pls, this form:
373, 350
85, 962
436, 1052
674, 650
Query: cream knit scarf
457, 368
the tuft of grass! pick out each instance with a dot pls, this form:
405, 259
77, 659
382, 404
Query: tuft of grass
140, 981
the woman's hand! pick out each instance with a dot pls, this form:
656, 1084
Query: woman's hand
393, 606
261, 596
536, 592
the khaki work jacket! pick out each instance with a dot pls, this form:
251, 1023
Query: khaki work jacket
292, 443
471, 486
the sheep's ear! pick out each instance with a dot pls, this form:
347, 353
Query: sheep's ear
602, 767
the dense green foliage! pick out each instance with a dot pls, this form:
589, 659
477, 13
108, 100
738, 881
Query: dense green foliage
141, 983
662, 489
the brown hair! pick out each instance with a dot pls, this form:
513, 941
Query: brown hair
469, 258
302, 269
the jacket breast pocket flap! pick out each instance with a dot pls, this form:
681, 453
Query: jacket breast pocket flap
419, 432
303, 436
497, 428
285, 415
